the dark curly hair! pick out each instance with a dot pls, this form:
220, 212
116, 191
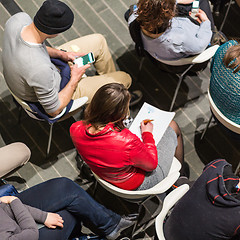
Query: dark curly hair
155, 15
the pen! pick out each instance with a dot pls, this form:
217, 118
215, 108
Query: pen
147, 121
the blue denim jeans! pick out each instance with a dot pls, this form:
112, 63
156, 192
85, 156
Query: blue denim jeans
68, 199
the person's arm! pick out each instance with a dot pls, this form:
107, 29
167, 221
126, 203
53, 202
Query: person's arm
143, 154
65, 95
198, 42
62, 54
44, 84
23, 218
49, 219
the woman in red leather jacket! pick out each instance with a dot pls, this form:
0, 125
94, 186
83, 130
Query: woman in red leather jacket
113, 152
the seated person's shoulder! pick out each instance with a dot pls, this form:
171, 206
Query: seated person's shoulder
19, 18
230, 43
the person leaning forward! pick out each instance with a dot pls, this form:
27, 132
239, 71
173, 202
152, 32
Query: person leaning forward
27, 65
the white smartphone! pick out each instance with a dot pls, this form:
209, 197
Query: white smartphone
195, 8
81, 61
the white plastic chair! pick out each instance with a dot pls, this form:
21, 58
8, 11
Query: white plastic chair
222, 118
234, 127
77, 104
191, 61
142, 196
169, 201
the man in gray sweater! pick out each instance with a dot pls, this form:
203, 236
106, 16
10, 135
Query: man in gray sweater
27, 65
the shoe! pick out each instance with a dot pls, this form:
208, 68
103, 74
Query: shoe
185, 171
183, 180
136, 97
125, 222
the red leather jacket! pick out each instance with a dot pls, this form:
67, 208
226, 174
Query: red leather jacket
118, 157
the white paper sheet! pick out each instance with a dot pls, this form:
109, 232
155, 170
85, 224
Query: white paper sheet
161, 120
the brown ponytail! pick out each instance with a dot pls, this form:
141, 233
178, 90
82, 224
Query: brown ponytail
232, 58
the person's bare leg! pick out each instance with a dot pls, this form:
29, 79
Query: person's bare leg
179, 153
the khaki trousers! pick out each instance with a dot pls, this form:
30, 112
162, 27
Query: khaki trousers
12, 156
104, 65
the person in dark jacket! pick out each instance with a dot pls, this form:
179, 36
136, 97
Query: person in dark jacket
210, 210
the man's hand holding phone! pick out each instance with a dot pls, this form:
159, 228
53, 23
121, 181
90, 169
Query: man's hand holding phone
77, 72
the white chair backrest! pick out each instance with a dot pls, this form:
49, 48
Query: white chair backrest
200, 58
161, 187
25, 106
77, 103
205, 55
222, 119
169, 201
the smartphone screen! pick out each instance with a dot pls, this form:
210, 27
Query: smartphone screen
195, 4
88, 58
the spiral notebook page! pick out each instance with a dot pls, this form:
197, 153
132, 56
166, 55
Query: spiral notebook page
161, 120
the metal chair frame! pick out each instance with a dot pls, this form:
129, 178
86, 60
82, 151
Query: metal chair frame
142, 196
77, 104
206, 55
232, 126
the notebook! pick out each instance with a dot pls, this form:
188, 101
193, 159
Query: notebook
161, 120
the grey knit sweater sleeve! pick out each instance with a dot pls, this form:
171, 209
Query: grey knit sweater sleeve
16, 222
37, 214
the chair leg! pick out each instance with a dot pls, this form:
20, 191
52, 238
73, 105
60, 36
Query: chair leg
49, 139
178, 86
203, 133
95, 188
226, 14
238, 166
140, 69
19, 114
146, 223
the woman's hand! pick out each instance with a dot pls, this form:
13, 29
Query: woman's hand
53, 220
7, 199
148, 127
201, 16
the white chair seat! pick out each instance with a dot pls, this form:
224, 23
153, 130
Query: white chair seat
200, 58
161, 187
222, 119
206, 55
77, 104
